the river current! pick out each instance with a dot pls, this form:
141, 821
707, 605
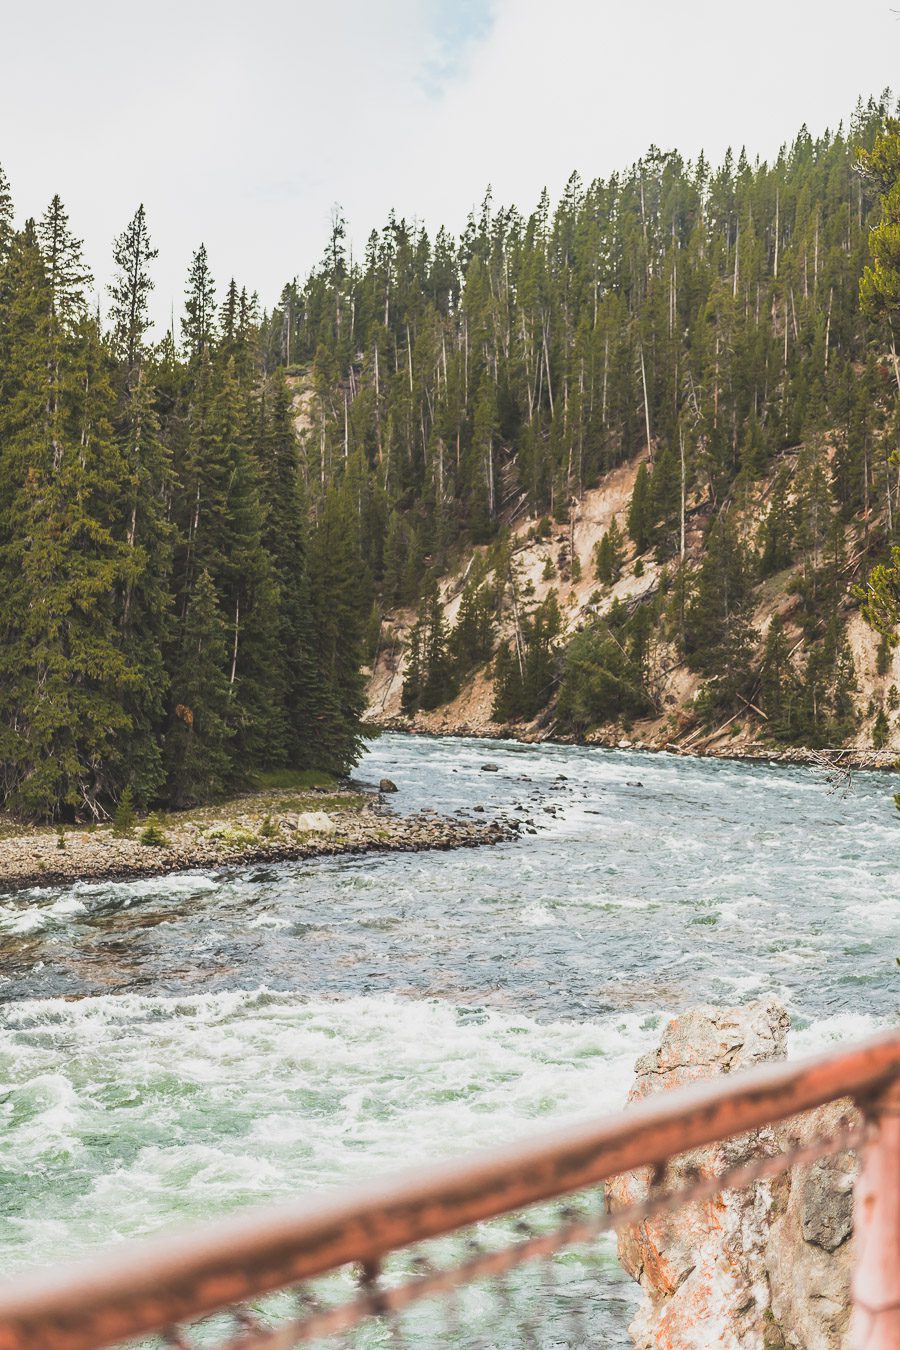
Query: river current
173, 1048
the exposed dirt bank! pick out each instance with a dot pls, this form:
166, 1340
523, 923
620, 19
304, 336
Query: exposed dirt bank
262, 827
547, 563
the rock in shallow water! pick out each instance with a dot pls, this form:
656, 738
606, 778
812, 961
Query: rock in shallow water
386, 785
757, 1269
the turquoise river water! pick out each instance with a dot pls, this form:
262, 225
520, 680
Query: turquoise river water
175, 1048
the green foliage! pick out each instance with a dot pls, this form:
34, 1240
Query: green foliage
430, 677
125, 817
604, 672
188, 584
881, 730
471, 642
775, 537
780, 686
525, 671
292, 779
879, 287
153, 835
196, 743
881, 598
640, 512
161, 626
609, 555
718, 637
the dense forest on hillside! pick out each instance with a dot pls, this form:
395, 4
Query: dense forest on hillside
190, 585
170, 622
711, 314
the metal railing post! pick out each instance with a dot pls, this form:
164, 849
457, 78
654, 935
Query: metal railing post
876, 1223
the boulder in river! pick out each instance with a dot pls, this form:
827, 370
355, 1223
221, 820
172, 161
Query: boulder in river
311, 822
765, 1267
490, 768
386, 785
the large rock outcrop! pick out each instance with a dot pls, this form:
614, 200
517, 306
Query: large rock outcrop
759, 1269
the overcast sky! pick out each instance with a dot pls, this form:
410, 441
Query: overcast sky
240, 124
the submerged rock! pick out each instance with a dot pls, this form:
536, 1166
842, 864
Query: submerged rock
748, 1270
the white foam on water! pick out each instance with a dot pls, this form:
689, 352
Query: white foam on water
33, 917
829, 1032
66, 904
17, 920
882, 914
266, 919
182, 884
536, 915
180, 1108
43, 907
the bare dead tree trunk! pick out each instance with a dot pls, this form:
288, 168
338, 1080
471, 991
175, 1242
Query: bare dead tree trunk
683, 484
646, 404
234, 651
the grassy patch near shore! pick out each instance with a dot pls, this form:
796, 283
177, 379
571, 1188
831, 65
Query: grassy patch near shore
273, 794
293, 779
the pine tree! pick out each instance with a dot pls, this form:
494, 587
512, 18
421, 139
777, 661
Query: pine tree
776, 533
640, 512
779, 687
717, 632
521, 691
131, 288
67, 274
285, 540
472, 640
145, 611
602, 679
198, 327
411, 693
242, 573
196, 745
64, 680
610, 555
434, 671
6, 215
340, 601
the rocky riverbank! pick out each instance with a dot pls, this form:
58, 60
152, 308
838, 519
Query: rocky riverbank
261, 827
840, 758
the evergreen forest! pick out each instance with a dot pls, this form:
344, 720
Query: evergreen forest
196, 561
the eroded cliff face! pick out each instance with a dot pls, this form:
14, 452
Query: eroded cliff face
759, 1269
545, 564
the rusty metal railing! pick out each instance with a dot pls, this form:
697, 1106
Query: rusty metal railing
355, 1263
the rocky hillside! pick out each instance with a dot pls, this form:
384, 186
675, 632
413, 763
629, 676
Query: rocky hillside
564, 562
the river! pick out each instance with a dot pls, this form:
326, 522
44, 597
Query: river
178, 1047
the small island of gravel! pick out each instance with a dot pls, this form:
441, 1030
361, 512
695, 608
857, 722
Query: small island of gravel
273, 824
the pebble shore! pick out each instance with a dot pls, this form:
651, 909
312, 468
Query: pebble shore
258, 828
